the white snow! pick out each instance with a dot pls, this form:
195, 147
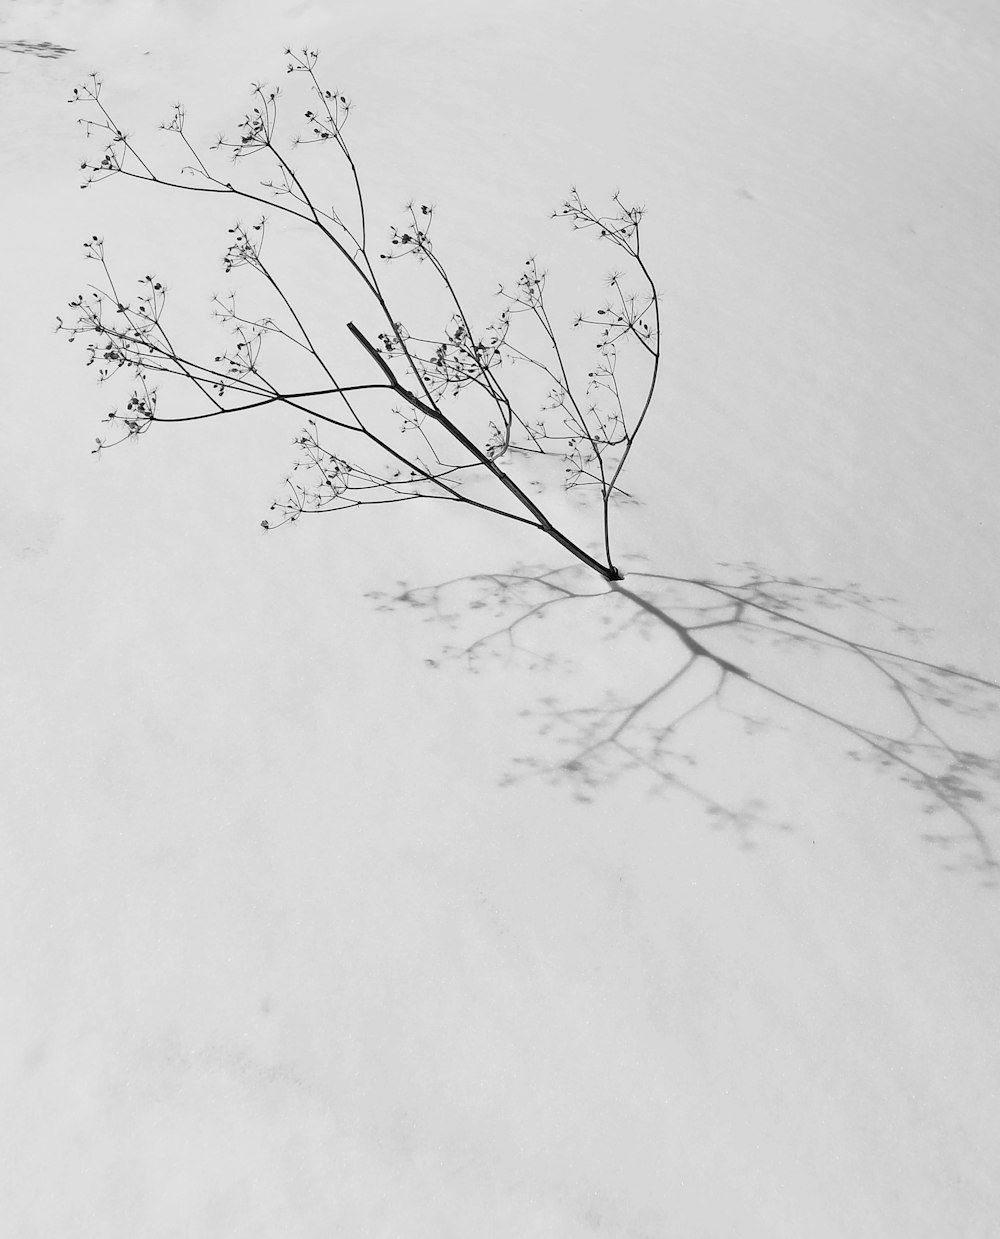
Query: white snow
282, 953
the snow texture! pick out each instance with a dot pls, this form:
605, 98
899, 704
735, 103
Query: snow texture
312, 925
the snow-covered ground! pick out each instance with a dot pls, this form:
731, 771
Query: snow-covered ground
286, 952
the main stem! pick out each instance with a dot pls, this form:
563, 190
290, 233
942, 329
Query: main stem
608, 571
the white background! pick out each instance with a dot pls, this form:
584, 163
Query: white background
281, 956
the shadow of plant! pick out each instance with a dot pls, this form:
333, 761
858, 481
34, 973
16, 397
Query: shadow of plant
782, 650
45, 49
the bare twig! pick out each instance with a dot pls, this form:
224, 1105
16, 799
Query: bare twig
416, 373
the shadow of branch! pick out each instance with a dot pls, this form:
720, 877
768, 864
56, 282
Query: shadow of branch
45, 49
747, 646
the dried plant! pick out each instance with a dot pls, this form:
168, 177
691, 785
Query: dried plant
473, 415
456, 430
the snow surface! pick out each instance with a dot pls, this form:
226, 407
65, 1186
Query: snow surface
283, 952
